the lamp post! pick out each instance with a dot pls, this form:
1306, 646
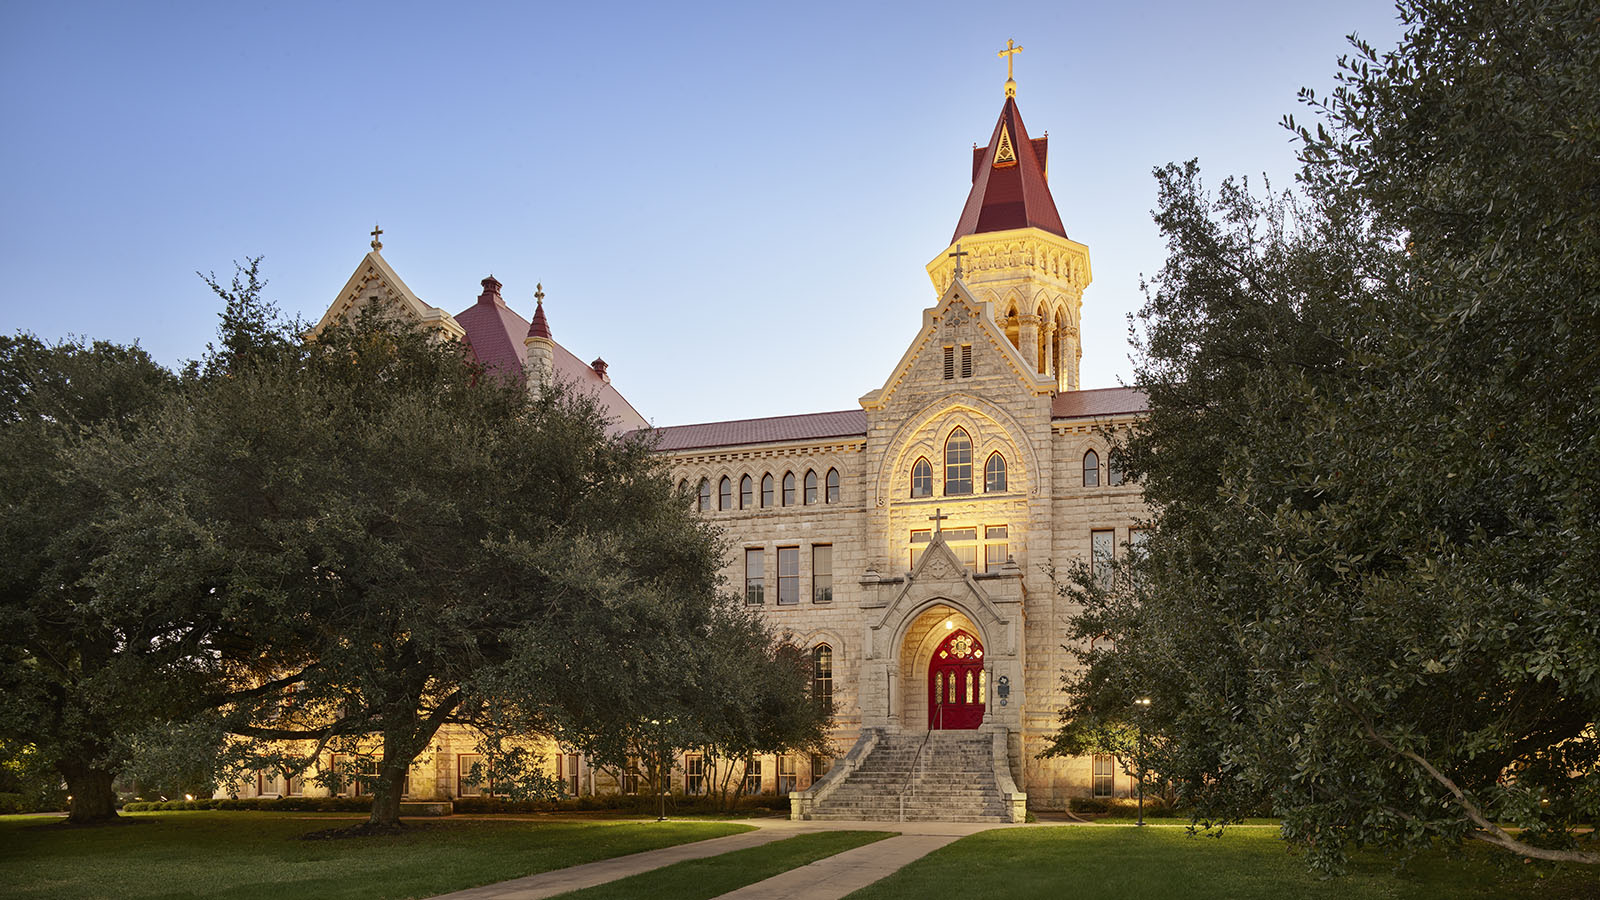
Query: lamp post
1144, 705
662, 779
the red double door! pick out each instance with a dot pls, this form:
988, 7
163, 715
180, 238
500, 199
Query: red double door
956, 683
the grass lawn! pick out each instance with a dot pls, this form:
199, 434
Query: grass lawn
701, 879
1093, 863
241, 855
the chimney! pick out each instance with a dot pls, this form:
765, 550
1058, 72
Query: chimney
491, 291
599, 366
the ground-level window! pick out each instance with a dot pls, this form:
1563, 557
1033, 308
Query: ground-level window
822, 674
567, 772
752, 775
754, 578
297, 785
269, 783
1136, 541
465, 787
630, 776
787, 775
820, 765
1104, 774
822, 573
694, 774
788, 575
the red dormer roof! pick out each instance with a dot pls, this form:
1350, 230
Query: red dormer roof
1009, 192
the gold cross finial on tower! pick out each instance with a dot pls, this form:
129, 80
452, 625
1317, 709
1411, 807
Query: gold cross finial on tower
957, 257
1010, 51
376, 244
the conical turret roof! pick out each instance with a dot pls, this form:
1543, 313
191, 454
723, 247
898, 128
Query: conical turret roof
1009, 189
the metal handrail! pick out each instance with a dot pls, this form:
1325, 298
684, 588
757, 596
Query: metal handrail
911, 774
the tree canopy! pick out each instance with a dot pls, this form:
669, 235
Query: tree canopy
1372, 456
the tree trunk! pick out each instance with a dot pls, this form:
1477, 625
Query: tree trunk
93, 799
390, 783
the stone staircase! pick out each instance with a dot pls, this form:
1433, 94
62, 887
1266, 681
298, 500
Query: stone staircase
954, 781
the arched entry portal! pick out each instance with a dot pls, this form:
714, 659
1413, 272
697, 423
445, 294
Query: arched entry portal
957, 683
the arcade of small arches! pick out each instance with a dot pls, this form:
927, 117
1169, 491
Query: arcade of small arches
1045, 337
809, 490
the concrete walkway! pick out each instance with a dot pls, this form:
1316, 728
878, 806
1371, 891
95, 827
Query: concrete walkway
825, 879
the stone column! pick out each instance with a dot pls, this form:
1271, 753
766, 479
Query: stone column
1028, 337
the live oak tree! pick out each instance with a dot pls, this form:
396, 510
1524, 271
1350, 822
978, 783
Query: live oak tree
1370, 601
79, 671
431, 544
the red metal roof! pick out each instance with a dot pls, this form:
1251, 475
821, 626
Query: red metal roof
812, 426
495, 333
1099, 402
1009, 196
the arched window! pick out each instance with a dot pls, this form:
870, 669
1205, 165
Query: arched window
746, 492
958, 463
822, 674
832, 483
1113, 468
725, 493
766, 490
811, 487
683, 487
788, 489
704, 502
922, 478
1091, 469
994, 474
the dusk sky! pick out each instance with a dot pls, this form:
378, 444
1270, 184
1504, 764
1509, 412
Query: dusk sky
732, 204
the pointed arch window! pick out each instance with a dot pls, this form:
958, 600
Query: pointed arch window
766, 490
1113, 468
958, 463
994, 474
746, 492
1091, 469
832, 484
922, 478
822, 675
704, 501
683, 487
810, 496
725, 493
788, 489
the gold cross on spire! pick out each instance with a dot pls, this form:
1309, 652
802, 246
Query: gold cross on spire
1010, 51
376, 244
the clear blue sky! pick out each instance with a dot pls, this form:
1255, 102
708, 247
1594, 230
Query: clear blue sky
731, 203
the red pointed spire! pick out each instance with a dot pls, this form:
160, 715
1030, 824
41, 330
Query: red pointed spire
539, 327
1008, 184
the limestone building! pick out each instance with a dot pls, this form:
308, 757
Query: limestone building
907, 541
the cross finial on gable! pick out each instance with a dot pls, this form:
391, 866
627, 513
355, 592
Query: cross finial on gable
957, 257
376, 244
937, 519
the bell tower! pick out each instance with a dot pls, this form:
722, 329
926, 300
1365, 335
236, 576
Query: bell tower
1014, 253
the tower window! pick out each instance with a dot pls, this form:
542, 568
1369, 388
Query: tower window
833, 486
958, 463
922, 478
994, 474
1091, 469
